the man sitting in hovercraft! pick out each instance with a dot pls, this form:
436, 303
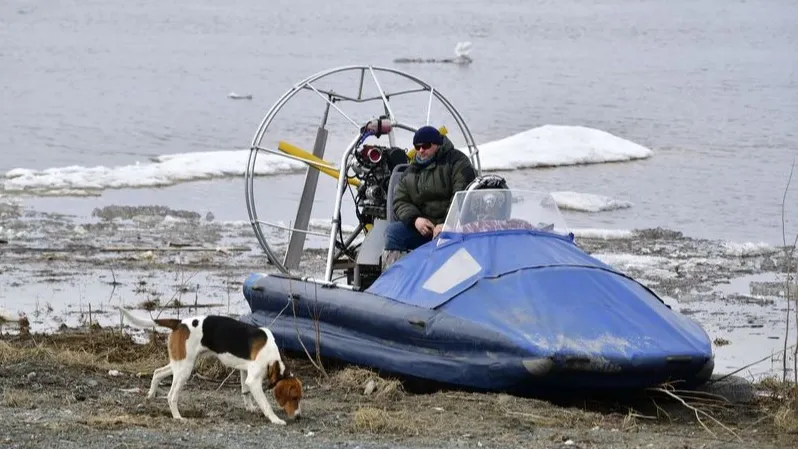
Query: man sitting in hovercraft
424, 193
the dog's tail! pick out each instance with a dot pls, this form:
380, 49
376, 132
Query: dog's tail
148, 322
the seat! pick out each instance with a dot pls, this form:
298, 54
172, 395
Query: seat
396, 175
372, 258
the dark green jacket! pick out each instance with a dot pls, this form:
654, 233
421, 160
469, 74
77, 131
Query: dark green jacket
426, 191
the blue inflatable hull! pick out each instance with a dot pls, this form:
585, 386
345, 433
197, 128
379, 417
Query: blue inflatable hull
546, 315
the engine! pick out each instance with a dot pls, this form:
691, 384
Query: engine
373, 165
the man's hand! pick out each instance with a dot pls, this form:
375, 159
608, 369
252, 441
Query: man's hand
437, 230
424, 226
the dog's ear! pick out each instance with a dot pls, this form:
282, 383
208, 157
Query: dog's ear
273, 372
280, 393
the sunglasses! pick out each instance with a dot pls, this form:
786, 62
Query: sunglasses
425, 146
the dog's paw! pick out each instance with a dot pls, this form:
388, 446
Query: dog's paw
277, 421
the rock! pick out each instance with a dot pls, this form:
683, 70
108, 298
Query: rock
735, 389
370, 385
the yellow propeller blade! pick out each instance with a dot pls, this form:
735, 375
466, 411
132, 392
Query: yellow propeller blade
324, 167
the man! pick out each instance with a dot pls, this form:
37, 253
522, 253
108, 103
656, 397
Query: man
424, 193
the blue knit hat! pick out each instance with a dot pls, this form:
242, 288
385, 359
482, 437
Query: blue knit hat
427, 134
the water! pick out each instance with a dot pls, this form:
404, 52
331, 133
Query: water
709, 85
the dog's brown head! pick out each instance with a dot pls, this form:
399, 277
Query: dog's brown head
288, 393
287, 390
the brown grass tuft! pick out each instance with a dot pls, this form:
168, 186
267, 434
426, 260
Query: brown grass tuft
122, 421
18, 398
773, 386
8, 353
786, 419
98, 350
355, 380
785, 415
351, 378
779, 400
375, 420
210, 368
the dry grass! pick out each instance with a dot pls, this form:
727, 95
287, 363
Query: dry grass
100, 350
123, 421
210, 368
780, 403
785, 418
19, 398
363, 381
97, 349
381, 421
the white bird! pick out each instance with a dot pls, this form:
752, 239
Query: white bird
461, 51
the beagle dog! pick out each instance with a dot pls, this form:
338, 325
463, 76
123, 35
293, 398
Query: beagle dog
250, 349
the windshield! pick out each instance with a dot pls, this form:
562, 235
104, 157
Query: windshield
502, 209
